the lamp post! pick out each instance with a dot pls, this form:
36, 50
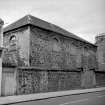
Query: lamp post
1, 50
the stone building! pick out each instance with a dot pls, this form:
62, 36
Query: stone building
42, 57
100, 73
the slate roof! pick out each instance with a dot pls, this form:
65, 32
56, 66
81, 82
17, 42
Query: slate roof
31, 20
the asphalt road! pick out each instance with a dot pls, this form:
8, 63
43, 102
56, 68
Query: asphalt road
96, 98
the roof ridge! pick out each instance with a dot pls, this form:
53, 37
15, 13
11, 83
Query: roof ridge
29, 18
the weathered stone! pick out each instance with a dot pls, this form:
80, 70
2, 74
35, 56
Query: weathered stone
100, 78
52, 51
88, 79
28, 81
43, 81
21, 47
34, 81
100, 42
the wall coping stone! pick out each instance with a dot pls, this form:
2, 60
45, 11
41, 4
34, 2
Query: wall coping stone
45, 69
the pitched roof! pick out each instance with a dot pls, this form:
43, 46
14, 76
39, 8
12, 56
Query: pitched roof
29, 19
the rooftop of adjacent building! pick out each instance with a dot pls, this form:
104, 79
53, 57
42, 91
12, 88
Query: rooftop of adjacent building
100, 37
31, 20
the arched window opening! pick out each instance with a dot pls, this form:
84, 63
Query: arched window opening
56, 44
12, 40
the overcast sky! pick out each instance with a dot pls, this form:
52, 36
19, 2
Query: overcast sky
85, 18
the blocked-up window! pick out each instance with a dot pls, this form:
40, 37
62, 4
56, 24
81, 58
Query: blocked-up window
12, 43
56, 46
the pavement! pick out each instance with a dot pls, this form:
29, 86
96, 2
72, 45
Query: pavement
94, 96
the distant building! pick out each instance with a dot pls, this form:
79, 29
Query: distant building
100, 74
100, 42
42, 57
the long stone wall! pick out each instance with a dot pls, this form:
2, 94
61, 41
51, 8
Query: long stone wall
36, 81
62, 80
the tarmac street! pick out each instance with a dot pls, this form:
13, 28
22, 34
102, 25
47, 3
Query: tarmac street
94, 98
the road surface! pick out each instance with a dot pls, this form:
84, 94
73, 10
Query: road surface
96, 98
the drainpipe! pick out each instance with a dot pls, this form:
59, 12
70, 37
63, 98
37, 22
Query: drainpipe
1, 50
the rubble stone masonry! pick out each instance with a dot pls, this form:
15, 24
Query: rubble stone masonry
50, 50
36, 81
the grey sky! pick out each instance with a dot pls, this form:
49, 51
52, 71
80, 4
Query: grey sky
85, 18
